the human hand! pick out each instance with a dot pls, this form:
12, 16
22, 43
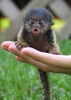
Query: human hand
23, 55
44, 61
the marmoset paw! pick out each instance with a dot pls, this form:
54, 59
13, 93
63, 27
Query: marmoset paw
19, 45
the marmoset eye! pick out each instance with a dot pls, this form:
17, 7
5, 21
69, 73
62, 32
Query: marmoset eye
32, 22
41, 22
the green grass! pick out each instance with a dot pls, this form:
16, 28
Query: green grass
19, 81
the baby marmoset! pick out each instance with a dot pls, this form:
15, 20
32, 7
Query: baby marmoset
36, 32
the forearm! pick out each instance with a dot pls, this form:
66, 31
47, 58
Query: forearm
58, 61
61, 61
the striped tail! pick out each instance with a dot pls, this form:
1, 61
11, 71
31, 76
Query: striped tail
45, 85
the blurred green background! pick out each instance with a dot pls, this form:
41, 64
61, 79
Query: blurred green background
20, 81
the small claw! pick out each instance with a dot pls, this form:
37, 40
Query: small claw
19, 45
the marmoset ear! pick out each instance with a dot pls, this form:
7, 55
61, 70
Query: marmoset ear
49, 16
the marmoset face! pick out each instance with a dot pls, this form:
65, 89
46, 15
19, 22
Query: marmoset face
37, 21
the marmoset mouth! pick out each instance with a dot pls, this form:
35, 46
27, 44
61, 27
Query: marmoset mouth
36, 31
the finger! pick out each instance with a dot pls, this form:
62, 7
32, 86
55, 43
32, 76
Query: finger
30, 52
20, 59
12, 48
39, 65
34, 54
6, 44
43, 57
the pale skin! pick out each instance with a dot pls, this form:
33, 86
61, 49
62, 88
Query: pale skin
44, 61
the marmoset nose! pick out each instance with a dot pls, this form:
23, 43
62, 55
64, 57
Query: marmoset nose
36, 24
